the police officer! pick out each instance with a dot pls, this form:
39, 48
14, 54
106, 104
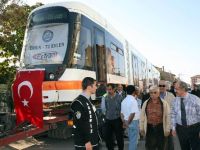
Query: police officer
86, 135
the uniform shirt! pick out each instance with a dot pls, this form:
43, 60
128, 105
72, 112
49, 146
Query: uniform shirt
129, 105
88, 97
192, 108
85, 95
85, 121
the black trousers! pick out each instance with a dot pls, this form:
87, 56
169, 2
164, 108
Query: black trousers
189, 136
114, 126
155, 139
169, 143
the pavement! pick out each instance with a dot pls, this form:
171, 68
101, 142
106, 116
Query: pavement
45, 143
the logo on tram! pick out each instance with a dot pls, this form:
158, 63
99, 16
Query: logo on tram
45, 55
47, 36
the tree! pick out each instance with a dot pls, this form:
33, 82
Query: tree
13, 19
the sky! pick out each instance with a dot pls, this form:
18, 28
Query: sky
167, 33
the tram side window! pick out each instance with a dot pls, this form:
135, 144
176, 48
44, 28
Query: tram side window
143, 69
135, 69
140, 69
121, 62
115, 61
83, 55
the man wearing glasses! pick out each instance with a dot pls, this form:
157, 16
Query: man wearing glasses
155, 120
168, 97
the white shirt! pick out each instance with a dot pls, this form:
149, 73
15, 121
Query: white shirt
119, 92
128, 106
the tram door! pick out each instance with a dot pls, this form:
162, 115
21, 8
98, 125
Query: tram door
100, 55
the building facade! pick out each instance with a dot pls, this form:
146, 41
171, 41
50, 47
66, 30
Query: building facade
194, 80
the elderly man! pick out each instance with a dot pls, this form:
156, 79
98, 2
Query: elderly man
155, 120
185, 117
168, 97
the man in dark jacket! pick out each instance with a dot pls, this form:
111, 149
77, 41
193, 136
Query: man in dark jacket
172, 89
86, 135
196, 91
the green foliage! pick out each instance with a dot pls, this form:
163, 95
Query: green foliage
13, 19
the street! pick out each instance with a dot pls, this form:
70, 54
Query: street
45, 143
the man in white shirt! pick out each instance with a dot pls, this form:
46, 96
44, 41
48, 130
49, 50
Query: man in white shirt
130, 116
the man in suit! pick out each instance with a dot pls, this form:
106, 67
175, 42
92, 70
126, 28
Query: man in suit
185, 117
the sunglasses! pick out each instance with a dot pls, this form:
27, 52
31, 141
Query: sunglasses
153, 92
161, 85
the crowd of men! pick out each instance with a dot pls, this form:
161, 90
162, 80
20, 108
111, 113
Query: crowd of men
157, 118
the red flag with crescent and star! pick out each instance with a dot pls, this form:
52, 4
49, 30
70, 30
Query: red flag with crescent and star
27, 95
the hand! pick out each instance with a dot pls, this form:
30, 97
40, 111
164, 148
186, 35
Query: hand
142, 132
173, 132
125, 126
88, 146
168, 133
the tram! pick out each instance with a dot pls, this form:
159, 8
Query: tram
71, 41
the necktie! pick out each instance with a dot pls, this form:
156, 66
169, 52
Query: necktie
183, 113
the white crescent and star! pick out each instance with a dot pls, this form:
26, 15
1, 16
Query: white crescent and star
29, 85
25, 83
25, 102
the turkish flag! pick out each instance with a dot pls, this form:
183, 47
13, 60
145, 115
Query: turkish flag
27, 94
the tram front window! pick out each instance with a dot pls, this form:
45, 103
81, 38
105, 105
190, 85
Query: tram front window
46, 37
83, 55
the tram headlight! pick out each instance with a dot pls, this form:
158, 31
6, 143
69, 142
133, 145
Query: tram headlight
51, 76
